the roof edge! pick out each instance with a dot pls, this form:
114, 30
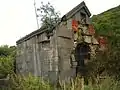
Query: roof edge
77, 8
36, 32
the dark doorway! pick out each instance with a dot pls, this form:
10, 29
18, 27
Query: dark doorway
82, 54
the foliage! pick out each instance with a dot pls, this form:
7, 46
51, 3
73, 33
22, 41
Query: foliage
5, 50
49, 17
19, 82
7, 58
30, 82
6, 66
104, 84
108, 24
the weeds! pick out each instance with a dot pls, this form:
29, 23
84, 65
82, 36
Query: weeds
30, 82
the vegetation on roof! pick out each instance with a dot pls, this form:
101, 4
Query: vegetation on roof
48, 16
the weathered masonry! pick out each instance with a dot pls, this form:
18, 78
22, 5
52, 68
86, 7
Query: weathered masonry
64, 52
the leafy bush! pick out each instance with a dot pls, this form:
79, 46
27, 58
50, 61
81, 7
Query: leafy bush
28, 83
6, 66
7, 58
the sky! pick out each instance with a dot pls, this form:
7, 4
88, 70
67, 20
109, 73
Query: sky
17, 17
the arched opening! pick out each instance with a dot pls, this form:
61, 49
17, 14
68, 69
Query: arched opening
82, 55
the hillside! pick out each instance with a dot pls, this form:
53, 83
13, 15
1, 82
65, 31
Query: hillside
108, 25
108, 22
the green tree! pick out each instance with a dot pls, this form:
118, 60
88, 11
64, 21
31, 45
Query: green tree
5, 50
7, 60
49, 17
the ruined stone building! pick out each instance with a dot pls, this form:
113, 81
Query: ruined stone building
62, 53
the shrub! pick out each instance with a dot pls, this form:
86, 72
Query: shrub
28, 83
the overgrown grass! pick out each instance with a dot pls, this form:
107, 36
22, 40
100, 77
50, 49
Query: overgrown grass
104, 84
30, 82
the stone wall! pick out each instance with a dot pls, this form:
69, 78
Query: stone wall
38, 56
26, 57
65, 45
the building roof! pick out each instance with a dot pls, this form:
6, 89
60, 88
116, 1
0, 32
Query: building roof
76, 9
68, 15
32, 34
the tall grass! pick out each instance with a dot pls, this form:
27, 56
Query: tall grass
105, 84
30, 82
